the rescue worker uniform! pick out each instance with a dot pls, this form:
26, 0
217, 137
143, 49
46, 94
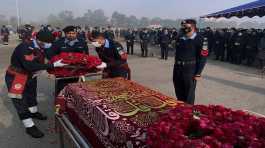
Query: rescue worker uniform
26, 60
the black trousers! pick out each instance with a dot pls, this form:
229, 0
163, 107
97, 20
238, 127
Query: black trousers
5, 38
62, 83
164, 51
129, 47
184, 83
220, 52
262, 63
145, 49
29, 98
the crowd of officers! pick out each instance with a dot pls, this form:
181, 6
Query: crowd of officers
237, 46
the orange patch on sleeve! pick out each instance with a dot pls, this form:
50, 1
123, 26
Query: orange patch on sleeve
29, 57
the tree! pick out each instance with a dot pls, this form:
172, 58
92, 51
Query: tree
13, 21
67, 17
98, 18
133, 22
55, 21
144, 22
119, 20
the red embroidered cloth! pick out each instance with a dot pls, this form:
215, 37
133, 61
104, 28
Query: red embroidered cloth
114, 112
79, 64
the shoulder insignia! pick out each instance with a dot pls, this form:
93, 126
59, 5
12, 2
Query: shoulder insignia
29, 57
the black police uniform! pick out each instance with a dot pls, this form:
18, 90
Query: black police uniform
144, 37
130, 37
190, 59
239, 43
219, 45
251, 48
164, 45
65, 45
114, 56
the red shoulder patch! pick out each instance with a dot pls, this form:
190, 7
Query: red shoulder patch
29, 57
205, 53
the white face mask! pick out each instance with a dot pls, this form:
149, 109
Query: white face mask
47, 45
96, 44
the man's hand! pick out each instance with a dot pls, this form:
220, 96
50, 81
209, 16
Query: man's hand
102, 66
197, 77
59, 63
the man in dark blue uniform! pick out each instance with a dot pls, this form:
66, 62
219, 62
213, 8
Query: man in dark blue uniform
190, 59
130, 37
239, 43
164, 44
144, 40
113, 54
219, 47
70, 43
251, 47
26, 60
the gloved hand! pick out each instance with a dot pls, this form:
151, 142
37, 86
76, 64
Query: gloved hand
103, 65
96, 44
59, 63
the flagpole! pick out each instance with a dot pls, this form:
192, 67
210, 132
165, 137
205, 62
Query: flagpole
18, 16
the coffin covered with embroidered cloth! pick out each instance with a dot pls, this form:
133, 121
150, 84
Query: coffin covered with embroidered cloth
114, 112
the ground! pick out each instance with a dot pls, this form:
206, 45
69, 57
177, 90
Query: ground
238, 87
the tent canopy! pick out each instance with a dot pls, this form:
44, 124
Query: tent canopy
256, 8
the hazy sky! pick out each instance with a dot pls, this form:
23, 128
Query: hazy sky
40, 9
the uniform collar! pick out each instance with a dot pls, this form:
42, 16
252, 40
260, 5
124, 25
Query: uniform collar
71, 43
106, 43
192, 37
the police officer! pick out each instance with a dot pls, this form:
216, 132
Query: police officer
26, 60
190, 59
238, 46
164, 44
81, 34
210, 37
5, 34
113, 54
219, 45
251, 47
130, 37
70, 43
144, 40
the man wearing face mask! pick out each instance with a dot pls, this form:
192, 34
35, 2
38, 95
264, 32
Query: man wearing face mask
26, 60
190, 59
70, 43
113, 56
